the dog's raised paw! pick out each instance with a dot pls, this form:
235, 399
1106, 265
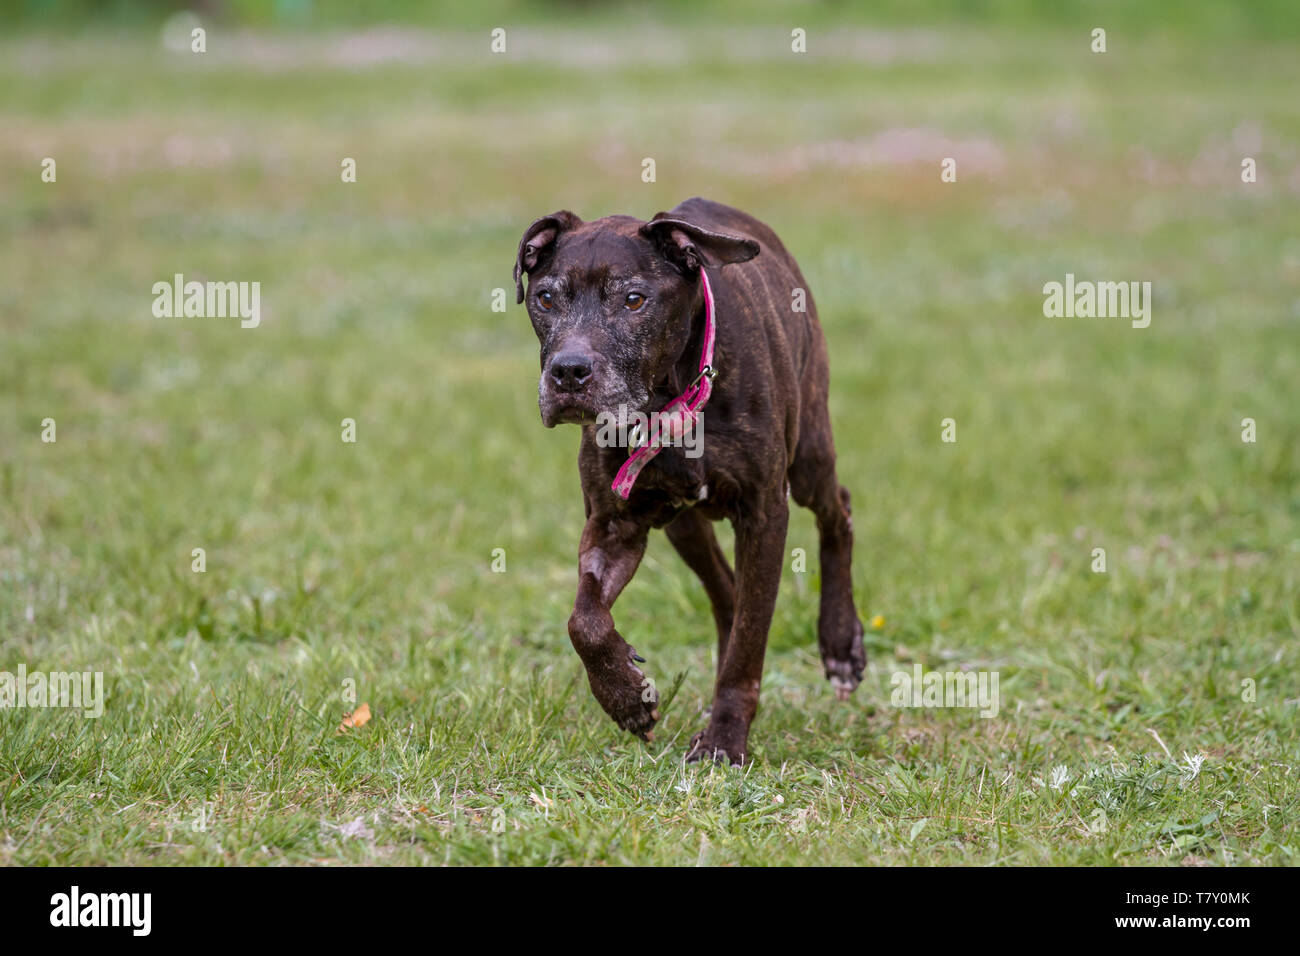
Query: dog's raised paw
844, 671
845, 676
843, 688
629, 697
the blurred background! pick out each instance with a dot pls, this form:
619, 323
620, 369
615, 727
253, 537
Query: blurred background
373, 559
1263, 18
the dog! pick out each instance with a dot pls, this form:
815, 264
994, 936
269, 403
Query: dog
700, 314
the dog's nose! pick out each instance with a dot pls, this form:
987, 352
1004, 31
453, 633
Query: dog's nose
570, 371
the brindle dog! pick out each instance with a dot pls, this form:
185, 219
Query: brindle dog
618, 306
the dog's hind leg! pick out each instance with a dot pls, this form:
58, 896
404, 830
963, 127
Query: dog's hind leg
692, 535
813, 484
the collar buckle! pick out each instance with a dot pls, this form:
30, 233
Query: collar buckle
708, 372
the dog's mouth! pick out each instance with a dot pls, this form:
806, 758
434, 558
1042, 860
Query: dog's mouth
595, 404
567, 409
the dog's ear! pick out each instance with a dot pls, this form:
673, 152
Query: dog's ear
537, 242
689, 247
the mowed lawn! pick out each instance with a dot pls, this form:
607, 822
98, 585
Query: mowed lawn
1148, 714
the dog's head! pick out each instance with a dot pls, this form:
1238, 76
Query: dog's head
611, 302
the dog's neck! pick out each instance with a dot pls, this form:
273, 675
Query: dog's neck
686, 366
681, 412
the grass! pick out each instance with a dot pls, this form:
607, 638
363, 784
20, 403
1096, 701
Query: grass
368, 565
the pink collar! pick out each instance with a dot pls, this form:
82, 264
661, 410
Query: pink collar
682, 411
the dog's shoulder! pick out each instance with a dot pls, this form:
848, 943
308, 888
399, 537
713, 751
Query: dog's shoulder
728, 219
715, 215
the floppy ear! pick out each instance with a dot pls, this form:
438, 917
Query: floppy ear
689, 247
536, 244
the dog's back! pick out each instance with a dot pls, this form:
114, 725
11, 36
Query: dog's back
768, 290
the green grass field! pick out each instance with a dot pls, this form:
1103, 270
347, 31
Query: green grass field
332, 565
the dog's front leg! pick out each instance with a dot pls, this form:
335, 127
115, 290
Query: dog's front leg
608, 556
760, 545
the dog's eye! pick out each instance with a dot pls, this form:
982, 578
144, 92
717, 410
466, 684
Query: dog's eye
545, 300
635, 300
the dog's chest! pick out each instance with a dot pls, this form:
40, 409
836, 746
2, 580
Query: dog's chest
673, 483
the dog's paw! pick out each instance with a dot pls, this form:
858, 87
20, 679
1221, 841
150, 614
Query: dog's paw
707, 747
845, 674
628, 696
844, 677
